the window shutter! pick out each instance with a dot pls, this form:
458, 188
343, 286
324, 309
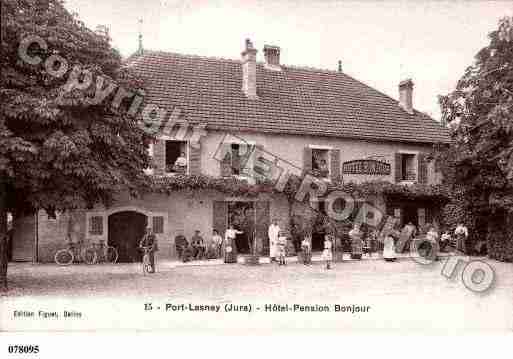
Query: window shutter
422, 168
398, 167
158, 224
159, 156
262, 209
255, 171
195, 159
226, 162
220, 217
307, 160
335, 165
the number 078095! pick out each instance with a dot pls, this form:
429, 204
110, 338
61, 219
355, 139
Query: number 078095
23, 349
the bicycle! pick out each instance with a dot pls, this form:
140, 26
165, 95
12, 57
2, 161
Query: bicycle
146, 265
105, 253
75, 252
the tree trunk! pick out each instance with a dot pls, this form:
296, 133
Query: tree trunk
3, 238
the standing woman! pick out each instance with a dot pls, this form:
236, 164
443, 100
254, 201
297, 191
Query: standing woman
389, 248
230, 250
461, 233
273, 233
356, 236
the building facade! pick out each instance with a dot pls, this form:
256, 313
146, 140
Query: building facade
309, 121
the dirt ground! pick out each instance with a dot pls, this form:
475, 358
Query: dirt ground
401, 295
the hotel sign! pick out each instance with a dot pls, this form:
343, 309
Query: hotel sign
366, 167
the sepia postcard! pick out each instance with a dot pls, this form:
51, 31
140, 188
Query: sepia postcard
267, 166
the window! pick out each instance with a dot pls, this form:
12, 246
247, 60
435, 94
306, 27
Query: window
235, 159
158, 224
176, 157
238, 160
409, 172
96, 225
320, 160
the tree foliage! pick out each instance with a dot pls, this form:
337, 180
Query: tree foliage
59, 149
480, 110
478, 165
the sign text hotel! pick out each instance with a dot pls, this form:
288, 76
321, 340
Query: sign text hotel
366, 167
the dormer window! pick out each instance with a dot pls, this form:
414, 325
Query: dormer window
176, 157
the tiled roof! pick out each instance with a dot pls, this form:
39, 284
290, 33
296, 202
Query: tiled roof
295, 100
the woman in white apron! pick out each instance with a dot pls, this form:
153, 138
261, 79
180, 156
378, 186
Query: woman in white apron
389, 248
274, 231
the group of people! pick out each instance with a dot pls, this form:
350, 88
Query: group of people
217, 246
278, 244
198, 247
410, 232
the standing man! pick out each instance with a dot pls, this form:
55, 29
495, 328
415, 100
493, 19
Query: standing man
461, 233
273, 233
149, 240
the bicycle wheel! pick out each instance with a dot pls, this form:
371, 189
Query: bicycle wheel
64, 257
89, 256
112, 255
146, 264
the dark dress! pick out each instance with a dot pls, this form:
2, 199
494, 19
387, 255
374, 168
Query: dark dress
230, 256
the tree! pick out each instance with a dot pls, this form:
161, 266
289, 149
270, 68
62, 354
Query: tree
478, 165
61, 147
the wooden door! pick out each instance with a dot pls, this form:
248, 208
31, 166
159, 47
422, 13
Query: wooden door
125, 231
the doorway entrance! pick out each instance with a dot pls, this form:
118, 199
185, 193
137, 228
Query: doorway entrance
242, 216
410, 214
125, 231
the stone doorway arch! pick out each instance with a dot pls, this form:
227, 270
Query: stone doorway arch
125, 230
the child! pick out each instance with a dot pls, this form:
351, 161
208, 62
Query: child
282, 242
445, 240
217, 242
327, 253
306, 247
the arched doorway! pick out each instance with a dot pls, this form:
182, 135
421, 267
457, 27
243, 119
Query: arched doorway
125, 231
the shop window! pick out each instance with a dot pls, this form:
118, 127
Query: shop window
158, 225
176, 157
320, 160
409, 170
96, 225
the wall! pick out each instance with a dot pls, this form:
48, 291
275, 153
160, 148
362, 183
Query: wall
24, 236
53, 232
184, 213
290, 148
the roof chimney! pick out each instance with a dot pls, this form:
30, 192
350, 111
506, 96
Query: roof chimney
102, 30
249, 70
272, 57
406, 95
